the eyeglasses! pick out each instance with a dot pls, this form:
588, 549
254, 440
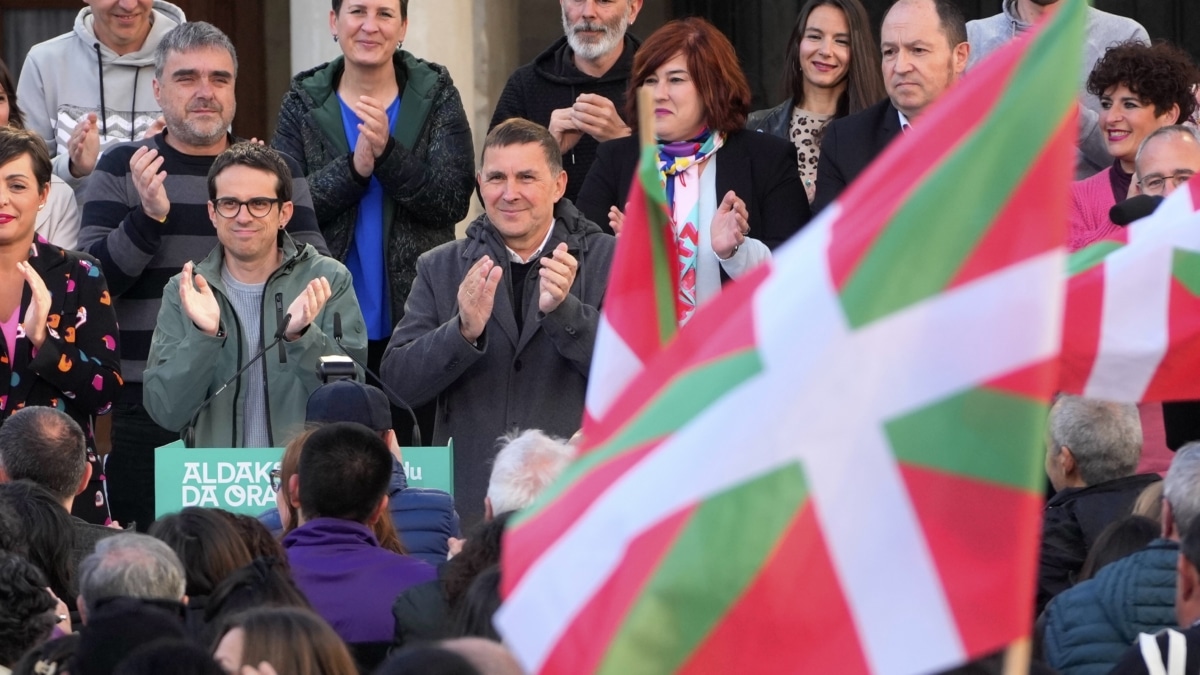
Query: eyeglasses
1156, 184
276, 477
257, 206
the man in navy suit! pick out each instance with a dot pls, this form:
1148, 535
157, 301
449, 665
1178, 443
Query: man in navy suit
925, 51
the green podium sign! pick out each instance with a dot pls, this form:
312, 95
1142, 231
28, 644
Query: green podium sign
239, 479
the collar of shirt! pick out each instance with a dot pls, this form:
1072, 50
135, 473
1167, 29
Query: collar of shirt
905, 125
514, 258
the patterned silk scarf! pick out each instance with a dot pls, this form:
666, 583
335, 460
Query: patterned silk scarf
679, 168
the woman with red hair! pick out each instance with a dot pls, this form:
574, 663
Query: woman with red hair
733, 195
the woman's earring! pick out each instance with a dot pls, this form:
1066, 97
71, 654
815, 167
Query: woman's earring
335, 38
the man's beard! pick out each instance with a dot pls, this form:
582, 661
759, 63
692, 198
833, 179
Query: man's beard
613, 35
196, 133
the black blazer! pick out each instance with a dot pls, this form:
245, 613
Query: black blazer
849, 145
760, 169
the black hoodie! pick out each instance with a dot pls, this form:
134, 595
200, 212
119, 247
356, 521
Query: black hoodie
550, 82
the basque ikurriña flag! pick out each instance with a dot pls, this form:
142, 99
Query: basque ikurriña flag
835, 466
1132, 328
639, 304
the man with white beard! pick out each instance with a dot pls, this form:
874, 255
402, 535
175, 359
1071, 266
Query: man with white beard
576, 87
1103, 31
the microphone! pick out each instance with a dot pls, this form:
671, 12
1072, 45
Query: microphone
1134, 208
392, 396
188, 433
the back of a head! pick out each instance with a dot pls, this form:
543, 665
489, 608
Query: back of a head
488, 656
46, 446
1149, 502
263, 583
207, 545
1104, 437
118, 627
478, 606
481, 551
293, 640
427, 660
47, 535
525, 465
131, 565
26, 609
1181, 487
178, 657
1121, 538
1189, 543
340, 455
256, 537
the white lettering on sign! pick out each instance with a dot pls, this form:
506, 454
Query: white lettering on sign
412, 472
200, 496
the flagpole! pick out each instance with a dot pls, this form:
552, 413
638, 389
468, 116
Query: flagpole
646, 117
1018, 656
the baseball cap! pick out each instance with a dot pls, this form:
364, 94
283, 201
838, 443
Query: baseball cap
349, 401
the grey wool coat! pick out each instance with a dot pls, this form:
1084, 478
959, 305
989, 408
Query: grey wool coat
534, 379
427, 170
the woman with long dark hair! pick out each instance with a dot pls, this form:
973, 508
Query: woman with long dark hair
831, 69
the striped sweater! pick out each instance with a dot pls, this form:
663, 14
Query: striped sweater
139, 255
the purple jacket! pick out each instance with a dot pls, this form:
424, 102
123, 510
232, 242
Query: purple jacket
349, 580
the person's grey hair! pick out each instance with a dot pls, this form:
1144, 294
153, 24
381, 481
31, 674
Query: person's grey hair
1170, 130
45, 446
1181, 487
190, 36
1104, 437
131, 565
526, 463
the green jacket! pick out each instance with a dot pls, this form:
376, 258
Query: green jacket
186, 366
427, 171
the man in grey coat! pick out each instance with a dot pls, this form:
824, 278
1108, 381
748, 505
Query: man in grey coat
499, 326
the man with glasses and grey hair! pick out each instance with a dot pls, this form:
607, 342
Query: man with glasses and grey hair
146, 213
1167, 159
257, 289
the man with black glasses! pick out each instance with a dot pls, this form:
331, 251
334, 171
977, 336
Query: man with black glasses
257, 288
145, 215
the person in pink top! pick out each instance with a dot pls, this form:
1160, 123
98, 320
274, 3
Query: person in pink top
59, 345
1141, 88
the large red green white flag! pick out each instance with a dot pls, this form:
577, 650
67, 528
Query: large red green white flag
1132, 328
835, 466
639, 304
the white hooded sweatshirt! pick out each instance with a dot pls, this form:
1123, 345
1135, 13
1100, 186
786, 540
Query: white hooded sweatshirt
69, 76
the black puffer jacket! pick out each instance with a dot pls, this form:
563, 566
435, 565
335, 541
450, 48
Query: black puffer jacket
427, 171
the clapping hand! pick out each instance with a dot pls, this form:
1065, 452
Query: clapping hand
198, 302
39, 305
307, 306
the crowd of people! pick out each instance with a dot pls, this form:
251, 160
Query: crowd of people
194, 286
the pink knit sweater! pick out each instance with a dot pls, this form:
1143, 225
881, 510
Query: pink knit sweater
1088, 221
